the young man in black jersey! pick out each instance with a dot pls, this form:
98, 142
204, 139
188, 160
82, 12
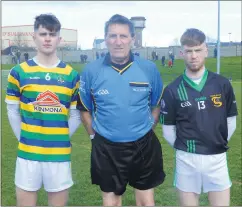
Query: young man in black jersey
198, 116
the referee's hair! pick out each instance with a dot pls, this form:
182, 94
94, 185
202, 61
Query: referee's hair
119, 19
192, 37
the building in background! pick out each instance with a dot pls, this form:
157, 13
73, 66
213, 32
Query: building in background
139, 25
99, 44
22, 36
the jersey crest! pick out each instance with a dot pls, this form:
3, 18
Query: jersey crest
216, 99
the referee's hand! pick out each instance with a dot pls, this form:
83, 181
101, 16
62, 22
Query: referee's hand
92, 136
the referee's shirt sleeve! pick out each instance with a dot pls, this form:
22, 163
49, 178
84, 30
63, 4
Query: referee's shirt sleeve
157, 87
230, 101
168, 110
85, 91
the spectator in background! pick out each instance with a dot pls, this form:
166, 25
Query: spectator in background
172, 58
26, 56
156, 56
170, 53
102, 54
82, 58
85, 58
170, 63
136, 53
97, 55
153, 54
18, 54
13, 53
215, 52
163, 60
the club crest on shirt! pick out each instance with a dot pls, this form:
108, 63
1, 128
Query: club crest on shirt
216, 99
47, 101
60, 79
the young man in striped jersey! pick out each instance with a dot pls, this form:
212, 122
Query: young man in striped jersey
198, 113
41, 99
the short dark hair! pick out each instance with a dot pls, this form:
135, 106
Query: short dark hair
48, 21
119, 19
192, 37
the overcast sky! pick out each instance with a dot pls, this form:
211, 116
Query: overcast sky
165, 20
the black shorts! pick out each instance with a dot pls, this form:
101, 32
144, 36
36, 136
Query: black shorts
138, 163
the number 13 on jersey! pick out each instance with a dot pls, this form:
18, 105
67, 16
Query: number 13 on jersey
201, 105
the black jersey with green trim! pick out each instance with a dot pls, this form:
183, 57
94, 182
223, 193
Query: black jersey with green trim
199, 112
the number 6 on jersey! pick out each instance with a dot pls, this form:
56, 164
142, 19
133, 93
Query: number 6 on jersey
47, 77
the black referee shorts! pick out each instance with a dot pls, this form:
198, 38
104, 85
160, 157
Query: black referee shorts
138, 163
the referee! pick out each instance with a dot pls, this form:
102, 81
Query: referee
198, 115
120, 106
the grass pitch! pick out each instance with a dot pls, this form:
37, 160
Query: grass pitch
85, 194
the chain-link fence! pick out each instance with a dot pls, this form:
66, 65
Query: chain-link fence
75, 56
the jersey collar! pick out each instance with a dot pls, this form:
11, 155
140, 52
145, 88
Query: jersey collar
107, 58
119, 68
195, 86
43, 66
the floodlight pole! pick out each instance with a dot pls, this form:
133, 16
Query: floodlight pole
218, 40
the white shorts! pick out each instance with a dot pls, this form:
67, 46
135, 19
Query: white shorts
195, 172
30, 175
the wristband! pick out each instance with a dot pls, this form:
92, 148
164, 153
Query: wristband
92, 136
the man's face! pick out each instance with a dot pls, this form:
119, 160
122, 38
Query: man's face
46, 41
194, 57
119, 42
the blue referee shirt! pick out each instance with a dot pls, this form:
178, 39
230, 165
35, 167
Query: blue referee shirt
121, 101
